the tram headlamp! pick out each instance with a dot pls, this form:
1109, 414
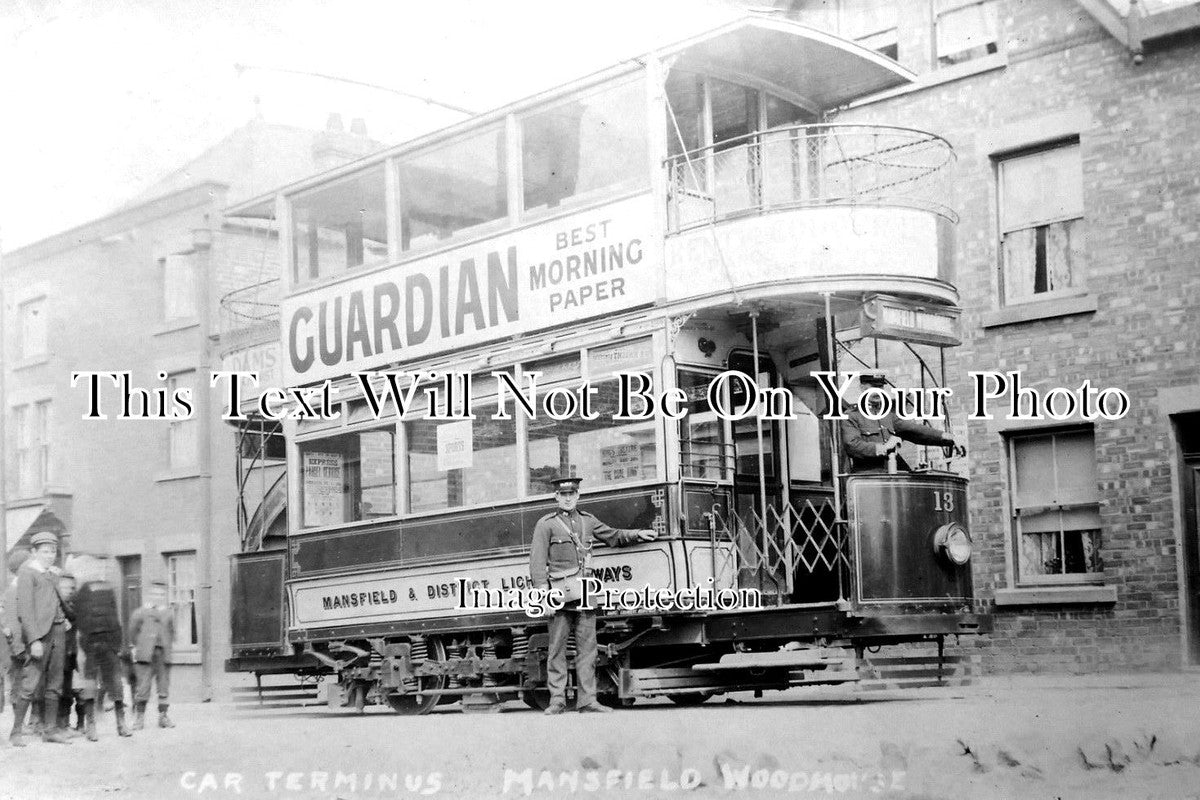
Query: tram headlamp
953, 541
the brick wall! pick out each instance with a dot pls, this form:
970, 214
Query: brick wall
1142, 203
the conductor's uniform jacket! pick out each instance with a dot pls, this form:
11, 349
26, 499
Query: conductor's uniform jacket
553, 551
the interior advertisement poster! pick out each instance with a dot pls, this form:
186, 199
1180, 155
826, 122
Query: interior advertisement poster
324, 487
678, 399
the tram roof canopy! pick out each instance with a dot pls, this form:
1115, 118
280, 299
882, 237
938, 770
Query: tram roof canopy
820, 69
802, 64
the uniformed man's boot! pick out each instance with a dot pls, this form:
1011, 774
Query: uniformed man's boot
17, 737
89, 720
122, 730
139, 715
163, 720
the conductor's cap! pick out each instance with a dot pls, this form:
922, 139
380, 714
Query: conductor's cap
566, 483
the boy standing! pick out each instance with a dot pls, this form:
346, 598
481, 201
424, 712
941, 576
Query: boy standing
151, 633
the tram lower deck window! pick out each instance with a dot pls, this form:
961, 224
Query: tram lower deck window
602, 451
462, 462
347, 478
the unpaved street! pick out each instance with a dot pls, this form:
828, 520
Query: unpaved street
1118, 737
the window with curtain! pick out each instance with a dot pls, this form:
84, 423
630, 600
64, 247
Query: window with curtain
966, 30
181, 594
1056, 507
1041, 223
183, 446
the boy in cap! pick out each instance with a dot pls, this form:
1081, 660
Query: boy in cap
43, 624
869, 442
152, 633
100, 640
560, 551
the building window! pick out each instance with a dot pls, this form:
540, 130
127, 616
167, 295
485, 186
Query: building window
31, 332
181, 594
871, 23
347, 478
1056, 507
183, 435
1041, 223
341, 226
965, 30
32, 423
179, 288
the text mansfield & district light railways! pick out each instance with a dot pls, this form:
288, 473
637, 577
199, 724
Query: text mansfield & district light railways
448, 396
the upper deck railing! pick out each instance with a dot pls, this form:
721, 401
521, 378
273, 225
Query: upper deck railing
809, 165
251, 313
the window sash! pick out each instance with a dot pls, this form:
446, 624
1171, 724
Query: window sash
32, 330
179, 287
1041, 188
181, 595
183, 434
1056, 521
962, 26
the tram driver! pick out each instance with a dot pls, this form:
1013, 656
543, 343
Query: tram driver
559, 556
869, 442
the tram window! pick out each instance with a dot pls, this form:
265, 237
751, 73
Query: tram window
685, 93
452, 189
780, 112
734, 111
602, 451
1056, 506
703, 449
461, 462
585, 145
340, 226
348, 478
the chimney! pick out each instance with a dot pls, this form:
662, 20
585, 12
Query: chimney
335, 146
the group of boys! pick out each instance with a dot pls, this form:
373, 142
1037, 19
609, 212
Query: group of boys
64, 649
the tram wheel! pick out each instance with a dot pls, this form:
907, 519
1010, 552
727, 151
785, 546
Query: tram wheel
537, 699
413, 704
689, 698
613, 701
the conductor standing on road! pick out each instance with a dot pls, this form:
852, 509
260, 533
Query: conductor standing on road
559, 557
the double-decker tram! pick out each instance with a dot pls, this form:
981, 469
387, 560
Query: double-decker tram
688, 214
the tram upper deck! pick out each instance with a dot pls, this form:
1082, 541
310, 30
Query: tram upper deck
701, 172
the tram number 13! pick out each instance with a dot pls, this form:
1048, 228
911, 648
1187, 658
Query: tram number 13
943, 501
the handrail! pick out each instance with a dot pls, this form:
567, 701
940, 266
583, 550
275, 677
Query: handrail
726, 144
797, 166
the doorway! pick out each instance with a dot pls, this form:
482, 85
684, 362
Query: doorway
131, 585
1188, 432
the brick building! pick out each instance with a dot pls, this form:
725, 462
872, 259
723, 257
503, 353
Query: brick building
1077, 184
140, 290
